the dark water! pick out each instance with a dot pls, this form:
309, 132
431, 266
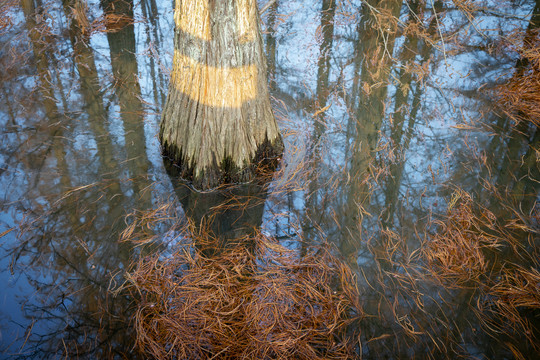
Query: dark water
374, 153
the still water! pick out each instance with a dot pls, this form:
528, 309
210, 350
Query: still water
395, 143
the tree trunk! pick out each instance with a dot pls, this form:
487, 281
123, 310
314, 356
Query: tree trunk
217, 124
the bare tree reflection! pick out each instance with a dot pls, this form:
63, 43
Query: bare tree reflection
373, 63
271, 45
71, 264
121, 38
53, 126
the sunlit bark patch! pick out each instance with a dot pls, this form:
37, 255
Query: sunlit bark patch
219, 87
193, 17
246, 17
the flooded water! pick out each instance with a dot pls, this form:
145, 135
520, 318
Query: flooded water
402, 157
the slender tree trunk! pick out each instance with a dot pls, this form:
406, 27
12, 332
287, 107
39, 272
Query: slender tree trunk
271, 44
154, 41
84, 60
122, 48
328, 12
401, 134
314, 209
217, 123
55, 127
371, 94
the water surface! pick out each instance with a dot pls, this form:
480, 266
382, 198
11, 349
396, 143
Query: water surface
386, 133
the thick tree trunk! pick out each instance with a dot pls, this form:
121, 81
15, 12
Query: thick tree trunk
217, 124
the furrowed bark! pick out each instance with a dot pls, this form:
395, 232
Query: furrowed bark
217, 124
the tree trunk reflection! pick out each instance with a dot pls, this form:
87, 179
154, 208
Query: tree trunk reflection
121, 38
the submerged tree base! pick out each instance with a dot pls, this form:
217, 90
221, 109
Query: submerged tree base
264, 162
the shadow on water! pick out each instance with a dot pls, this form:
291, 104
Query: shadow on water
234, 212
408, 193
